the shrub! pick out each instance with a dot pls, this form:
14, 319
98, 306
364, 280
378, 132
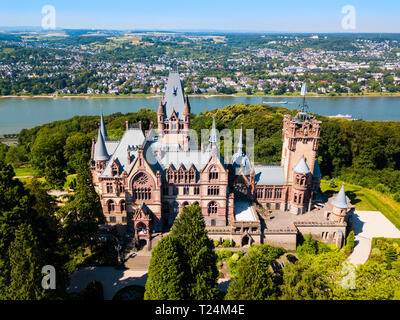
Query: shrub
332, 183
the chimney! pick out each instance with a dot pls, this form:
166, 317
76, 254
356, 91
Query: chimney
126, 125
140, 124
129, 156
151, 126
202, 147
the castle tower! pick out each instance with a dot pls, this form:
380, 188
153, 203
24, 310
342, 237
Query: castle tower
186, 115
100, 155
300, 137
340, 206
302, 179
173, 113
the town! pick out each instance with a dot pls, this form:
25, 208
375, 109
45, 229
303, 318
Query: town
69, 62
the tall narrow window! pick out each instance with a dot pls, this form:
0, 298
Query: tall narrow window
212, 208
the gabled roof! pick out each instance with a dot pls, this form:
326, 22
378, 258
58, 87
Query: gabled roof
100, 150
131, 139
302, 167
174, 98
340, 200
317, 170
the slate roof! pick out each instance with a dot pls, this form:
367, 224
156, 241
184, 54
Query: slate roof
174, 98
302, 167
131, 139
317, 170
103, 128
269, 175
340, 200
100, 150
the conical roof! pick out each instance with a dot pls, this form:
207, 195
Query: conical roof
186, 109
302, 167
103, 128
340, 200
317, 170
100, 150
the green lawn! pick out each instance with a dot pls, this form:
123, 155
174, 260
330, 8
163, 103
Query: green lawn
24, 171
368, 200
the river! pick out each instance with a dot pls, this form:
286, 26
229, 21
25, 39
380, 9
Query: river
19, 113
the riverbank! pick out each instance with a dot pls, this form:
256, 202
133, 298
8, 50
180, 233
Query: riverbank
153, 96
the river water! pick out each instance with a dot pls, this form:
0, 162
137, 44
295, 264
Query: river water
19, 113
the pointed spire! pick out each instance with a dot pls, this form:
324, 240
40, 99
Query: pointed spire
340, 201
161, 107
186, 109
213, 134
103, 128
302, 167
240, 143
317, 170
100, 150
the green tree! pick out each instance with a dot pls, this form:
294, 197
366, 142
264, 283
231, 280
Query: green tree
308, 247
253, 280
198, 257
26, 262
76, 147
313, 277
83, 213
349, 242
54, 173
166, 276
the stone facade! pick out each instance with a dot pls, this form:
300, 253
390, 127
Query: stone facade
145, 179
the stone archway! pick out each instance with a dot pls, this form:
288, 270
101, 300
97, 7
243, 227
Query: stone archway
245, 240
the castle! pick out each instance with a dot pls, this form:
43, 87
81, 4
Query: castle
145, 179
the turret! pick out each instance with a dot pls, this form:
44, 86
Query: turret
340, 206
300, 188
100, 156
186, 115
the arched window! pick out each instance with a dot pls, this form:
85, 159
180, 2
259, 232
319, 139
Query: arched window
185, 204
122, 205
141, 188
212, 208
111, 206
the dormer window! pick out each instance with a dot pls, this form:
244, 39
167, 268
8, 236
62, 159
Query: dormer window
114, 169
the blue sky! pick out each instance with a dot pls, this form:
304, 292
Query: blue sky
234, 15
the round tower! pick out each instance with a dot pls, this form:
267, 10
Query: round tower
302, 178
340, 206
